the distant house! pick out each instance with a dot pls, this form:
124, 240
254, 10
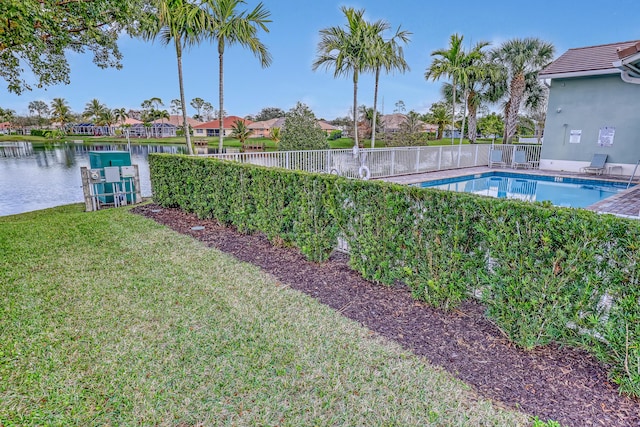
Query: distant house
176, 120
593, 105
262, 129
212, 128
155, 130
88, 129
5, 127
392, 123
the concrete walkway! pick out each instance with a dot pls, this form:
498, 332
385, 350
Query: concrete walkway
625, 204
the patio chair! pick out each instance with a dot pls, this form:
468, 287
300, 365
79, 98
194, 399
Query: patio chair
520, 159
495, 158
597, 164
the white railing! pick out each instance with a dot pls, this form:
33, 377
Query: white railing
384, 162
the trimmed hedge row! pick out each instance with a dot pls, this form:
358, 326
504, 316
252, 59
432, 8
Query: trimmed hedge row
545, 273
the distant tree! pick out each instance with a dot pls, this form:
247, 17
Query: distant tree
36, 35
491, 124
302, 131
121, 115
269, 113
275, 134
106, 118
60, 112
240, 131
7, 115
176, 106
40, 108
400, 107
228, 26
93, 109
197, 104
440, 115
208, 112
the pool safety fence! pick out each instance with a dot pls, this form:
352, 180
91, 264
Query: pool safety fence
371, 163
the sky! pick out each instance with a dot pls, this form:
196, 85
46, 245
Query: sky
150, 69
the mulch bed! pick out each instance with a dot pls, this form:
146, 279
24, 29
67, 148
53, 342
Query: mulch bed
563, 384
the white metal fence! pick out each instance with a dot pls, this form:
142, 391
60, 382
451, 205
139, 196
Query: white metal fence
386, 162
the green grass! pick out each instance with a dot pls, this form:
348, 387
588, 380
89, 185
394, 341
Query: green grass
107, 318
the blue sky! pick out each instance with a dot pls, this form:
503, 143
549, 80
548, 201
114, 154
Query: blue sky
149, 70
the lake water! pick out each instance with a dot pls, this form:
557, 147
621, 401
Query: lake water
36, 177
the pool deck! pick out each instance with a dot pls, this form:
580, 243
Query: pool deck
625, 204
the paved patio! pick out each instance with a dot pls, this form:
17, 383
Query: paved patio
625, 204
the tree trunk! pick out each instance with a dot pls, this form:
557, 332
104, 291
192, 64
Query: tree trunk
464, 116
355, 108
473, 120
185, 124
375, 112
453, 111
517, 92
506, 118
221, 91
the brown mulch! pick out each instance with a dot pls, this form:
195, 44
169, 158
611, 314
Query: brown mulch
563, 384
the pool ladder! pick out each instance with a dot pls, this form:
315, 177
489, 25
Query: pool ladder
633, 174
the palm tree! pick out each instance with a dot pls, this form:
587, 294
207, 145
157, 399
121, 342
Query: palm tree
275, 134
106, 118
240, 131
346, 50
387, 55
521, 59
449, 63
60, 112
93, 109
226, 25
121, 115
439, 114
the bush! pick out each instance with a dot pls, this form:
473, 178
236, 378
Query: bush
546, 274
37, 132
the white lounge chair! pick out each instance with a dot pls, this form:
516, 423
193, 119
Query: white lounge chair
520, 159
495, 158
597, 164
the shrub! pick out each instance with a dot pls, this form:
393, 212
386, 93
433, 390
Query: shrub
301, 131
546, 274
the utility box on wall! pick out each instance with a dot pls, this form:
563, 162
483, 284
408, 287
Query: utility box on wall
111, 180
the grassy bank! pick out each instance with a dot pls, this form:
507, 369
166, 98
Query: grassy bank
107, 318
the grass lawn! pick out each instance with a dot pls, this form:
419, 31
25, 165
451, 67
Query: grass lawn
107, 318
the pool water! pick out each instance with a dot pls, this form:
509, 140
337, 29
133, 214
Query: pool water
560, 191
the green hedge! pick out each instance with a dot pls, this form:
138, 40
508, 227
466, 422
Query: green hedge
545, 273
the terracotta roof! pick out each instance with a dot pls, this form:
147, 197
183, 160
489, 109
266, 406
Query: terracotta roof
131, 121
227, 123
591, 60
628, 51
5, 125
267, 124
176, 120
326, 126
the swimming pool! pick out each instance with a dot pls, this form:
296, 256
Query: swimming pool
560, 191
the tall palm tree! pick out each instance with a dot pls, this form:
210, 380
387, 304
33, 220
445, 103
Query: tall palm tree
521, 59
387, 55
61, 112
106, 118
121, 115
346, 51
449, 63
228, 26
93, 109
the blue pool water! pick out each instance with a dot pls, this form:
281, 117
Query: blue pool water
560, 191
